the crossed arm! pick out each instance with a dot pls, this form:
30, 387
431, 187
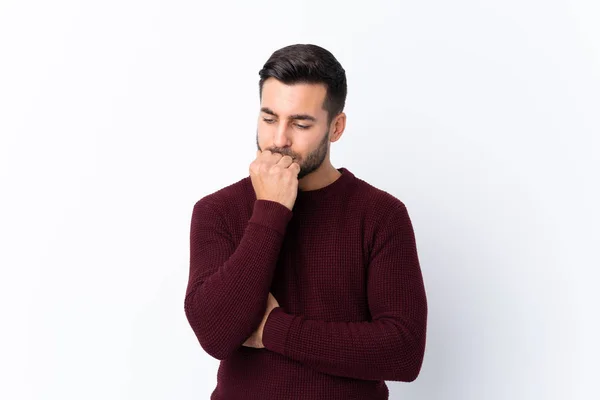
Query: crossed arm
224, 312
390, 346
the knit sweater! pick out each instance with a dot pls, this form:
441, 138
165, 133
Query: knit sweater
342, 265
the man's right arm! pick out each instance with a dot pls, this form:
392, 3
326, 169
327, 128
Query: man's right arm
228, 285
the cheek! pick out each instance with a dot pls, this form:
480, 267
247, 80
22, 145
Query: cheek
303, 146
264, 130
264, 139
261, 132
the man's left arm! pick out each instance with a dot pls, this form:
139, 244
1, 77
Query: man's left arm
388, 347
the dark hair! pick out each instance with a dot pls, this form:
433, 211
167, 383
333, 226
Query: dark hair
308, 63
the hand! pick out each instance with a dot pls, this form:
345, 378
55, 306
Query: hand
275, 177
255, 340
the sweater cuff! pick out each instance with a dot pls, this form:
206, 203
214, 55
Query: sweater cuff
276, 329
271, 214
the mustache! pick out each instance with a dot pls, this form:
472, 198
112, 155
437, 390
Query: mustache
284, 152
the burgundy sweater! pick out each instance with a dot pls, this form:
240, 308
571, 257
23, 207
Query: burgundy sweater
343, 266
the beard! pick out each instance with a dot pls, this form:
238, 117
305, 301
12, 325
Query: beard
311, 162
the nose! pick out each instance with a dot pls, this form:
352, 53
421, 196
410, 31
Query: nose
281, 137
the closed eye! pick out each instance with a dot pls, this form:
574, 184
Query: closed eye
299, 126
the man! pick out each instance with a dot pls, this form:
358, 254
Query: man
304, 279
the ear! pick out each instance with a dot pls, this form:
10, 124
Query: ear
337, 127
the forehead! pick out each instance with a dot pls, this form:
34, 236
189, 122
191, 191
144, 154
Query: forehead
293, 99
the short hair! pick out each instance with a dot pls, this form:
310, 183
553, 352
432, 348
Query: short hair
308, 63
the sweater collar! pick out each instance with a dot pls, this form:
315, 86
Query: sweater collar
336, 187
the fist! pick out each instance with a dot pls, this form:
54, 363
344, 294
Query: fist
275, 177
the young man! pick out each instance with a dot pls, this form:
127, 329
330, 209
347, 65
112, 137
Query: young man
304, 279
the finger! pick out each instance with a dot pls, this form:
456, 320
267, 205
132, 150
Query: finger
295, 167
267, 155
285, 161
274, 158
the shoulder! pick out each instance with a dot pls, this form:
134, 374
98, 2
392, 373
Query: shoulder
385, 216
382, 212
226, 200
379, 202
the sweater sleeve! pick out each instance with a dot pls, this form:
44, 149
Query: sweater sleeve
391, 345
228, 285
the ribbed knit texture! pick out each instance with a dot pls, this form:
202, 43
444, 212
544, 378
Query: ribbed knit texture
343, 266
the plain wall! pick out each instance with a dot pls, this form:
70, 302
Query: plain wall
117, 116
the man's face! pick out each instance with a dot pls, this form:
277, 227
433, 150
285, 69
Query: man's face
292, 122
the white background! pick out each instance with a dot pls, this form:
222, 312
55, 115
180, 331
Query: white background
117, 116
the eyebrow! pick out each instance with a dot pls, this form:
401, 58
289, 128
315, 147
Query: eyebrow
304, 117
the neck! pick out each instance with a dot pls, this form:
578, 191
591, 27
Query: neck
325, 175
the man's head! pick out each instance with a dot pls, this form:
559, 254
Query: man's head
303, 92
